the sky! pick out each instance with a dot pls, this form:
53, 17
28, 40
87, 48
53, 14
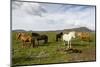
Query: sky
48, 16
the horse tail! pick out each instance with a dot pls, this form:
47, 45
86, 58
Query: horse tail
56, 38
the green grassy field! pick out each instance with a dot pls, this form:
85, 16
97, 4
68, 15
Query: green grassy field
52, 52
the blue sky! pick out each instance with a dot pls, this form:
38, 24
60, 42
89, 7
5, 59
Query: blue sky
45, 17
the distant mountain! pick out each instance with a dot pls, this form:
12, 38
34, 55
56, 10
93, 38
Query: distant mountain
80, 29
19, 30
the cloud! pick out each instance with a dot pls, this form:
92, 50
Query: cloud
28, 7
16, 5
41, 16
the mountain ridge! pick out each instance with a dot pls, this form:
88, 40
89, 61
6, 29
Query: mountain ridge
79, 29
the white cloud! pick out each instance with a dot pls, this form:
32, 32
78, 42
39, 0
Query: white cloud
22, 19
28, 7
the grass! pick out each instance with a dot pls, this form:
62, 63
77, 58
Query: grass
52, 52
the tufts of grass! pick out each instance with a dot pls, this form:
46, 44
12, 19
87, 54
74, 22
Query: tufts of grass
52, 52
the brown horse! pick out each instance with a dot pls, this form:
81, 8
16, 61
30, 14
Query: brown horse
85, 36
25, 38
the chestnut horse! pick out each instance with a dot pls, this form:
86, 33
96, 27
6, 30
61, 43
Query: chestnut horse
24, 37
85, 36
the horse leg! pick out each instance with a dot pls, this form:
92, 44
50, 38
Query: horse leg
30, 44
46, 40
64, 43
38, 42
56, 38
70, 45
33, 43
23, 45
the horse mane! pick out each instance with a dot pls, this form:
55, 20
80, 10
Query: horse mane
61, 33
18, 35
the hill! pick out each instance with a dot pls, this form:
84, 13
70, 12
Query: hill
80, 29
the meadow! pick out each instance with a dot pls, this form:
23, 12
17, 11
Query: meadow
52, 52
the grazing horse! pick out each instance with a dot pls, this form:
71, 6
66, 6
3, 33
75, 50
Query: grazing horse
35, 34
40, 37
68, 37
43, 37
24, 37
58, 36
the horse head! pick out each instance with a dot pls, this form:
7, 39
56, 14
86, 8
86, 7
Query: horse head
78, 34
61, 33
18, 35
73, 34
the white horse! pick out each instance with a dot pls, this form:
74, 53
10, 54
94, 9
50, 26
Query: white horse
68, 37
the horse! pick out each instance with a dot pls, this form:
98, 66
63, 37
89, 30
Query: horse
35, 34
68, 37
39, 37
24, 37
85, 36
58, 36
43, 37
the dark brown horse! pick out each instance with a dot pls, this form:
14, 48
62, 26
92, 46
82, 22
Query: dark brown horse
40, 37
24, 37
58, 36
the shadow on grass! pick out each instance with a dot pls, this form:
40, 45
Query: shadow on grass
45, 44
70, 50
73, 51
80, 44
